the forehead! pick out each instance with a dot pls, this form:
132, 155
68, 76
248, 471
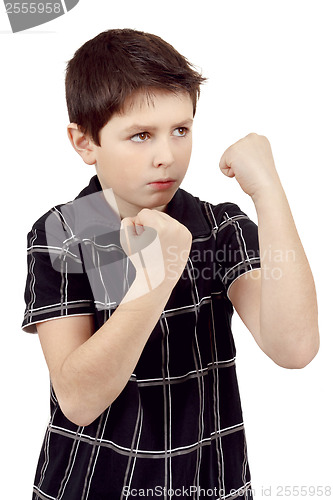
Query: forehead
154, 101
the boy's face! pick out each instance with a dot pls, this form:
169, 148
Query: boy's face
148, 143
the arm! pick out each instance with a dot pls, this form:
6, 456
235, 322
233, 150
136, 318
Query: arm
88, 371
279, 308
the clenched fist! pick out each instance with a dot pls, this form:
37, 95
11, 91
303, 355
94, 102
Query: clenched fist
147, 239
251, 162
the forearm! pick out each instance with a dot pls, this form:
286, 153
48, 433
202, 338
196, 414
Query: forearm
94, 374
288, 306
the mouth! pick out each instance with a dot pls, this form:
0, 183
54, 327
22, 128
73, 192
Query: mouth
162, 183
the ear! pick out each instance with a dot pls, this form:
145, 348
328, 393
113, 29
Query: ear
82, 143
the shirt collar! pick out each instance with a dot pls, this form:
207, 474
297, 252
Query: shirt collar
183, 207
186, 208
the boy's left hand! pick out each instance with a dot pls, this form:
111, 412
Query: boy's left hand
250, 160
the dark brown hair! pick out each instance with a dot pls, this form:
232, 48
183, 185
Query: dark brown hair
106, 70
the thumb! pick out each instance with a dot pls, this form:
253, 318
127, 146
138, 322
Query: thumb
225, 168
134, 236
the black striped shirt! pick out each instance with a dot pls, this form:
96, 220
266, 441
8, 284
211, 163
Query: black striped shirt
176, 429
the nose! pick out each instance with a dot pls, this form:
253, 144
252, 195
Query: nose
163, 154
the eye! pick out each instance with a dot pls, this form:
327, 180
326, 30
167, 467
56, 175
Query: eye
180, 131
141, 137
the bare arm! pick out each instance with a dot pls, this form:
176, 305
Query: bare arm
280, 308
88, 371
278, 303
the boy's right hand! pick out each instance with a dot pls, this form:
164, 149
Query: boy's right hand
158, 245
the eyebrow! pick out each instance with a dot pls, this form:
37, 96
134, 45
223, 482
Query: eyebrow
137, 126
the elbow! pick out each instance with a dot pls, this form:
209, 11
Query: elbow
298, 359
298, 355
296, 362
79, 419
75, 408
306, 359
81, 403
78, 415
83, 412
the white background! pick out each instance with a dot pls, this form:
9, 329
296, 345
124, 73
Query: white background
269, 65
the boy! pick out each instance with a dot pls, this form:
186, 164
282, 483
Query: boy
144, 395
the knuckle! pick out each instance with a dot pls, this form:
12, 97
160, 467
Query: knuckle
126, 221
145, 211
145, 214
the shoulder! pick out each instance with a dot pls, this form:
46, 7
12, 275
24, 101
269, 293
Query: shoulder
201, 216
58, 212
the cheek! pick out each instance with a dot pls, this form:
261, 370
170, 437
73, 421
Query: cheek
129, 156
113, 161
186, 153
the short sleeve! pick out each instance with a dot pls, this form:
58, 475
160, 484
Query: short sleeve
237, 244
53, 291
